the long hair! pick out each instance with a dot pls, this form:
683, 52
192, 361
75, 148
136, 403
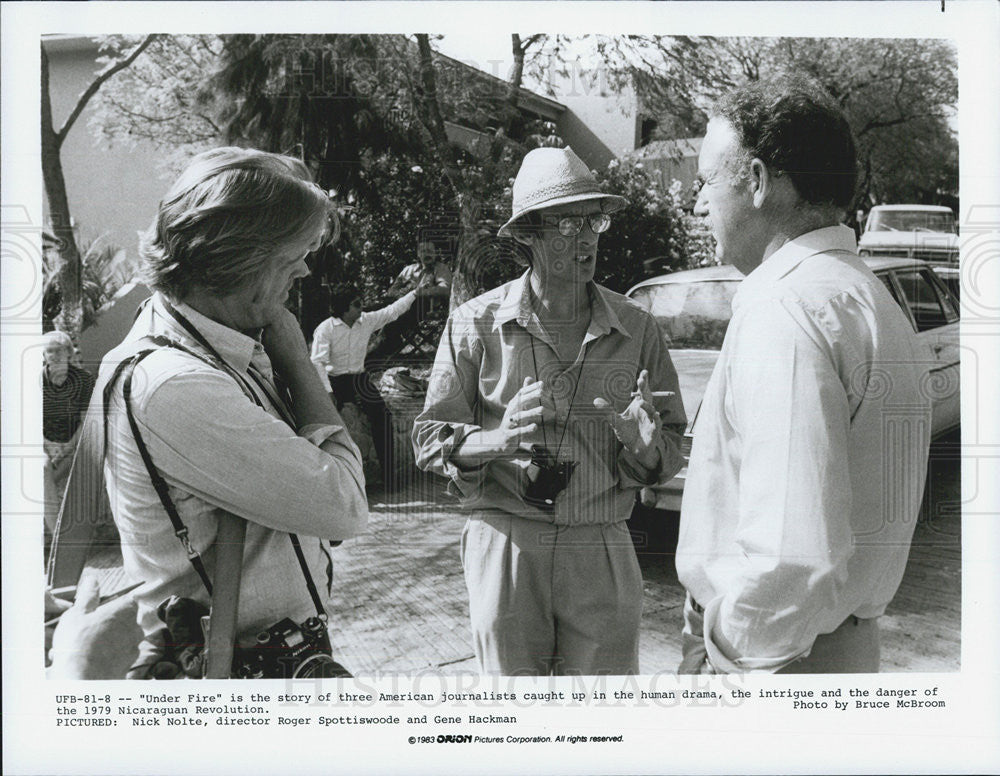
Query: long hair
226, 215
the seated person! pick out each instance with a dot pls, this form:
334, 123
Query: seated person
433, 278
230, 239
93, 641
425, 272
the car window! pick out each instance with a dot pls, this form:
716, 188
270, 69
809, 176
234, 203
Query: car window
690, 315
930, 310
884, 277
911, 221
950, 278
947, 288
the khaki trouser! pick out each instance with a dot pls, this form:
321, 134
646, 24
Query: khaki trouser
853, 648
547, 599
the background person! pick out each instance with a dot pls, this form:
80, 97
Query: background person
426, 272
339, 348
540, 411
231, 237
66, 391
433, 278
93, 641
811, 446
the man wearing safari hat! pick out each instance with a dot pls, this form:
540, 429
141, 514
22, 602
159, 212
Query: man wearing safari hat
552, 401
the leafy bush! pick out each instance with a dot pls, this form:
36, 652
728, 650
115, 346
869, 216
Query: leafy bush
649, 236
103, 272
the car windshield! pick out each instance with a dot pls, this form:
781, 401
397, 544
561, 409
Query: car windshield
911, 221
690, 315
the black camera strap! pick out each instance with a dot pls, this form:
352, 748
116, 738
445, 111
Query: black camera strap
159, 484
572, 399
180, 530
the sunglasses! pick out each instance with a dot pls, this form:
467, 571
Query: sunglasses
571, 226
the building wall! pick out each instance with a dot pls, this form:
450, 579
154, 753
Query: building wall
670, 160
599, 123
113, 190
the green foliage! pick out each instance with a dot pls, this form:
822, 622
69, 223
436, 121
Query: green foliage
159, 99
649, 236
102, 274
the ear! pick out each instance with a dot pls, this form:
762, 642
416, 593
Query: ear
761, 182
522, 236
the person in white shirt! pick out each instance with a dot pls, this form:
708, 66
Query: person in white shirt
433, 279
811, 445
339, 347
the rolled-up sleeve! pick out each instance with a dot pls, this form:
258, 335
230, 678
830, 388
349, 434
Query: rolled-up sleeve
662, 377
449, 413
793, 538
229, 452
376, 319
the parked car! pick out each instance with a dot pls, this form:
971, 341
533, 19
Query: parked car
692, 309
926, 232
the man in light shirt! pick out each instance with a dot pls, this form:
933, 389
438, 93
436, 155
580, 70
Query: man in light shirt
810, 450
426, 272
551, 403
340, 344
205, 413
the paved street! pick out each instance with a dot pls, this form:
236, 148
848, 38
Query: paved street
402, 604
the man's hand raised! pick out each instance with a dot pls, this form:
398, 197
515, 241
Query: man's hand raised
638, 427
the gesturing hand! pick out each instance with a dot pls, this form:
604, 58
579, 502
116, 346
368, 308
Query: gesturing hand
531, 406
638, 427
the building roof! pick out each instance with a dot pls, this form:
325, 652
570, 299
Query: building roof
536, 103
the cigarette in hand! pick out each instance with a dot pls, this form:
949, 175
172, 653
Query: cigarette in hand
655, 394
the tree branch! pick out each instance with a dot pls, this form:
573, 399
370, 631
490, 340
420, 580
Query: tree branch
98, 83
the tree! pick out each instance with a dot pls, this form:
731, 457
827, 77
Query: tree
159, 99
649, 235
899, 96
70, 318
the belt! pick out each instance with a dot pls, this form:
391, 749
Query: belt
851, 618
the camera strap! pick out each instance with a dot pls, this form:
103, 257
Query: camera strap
572, 398
127, 368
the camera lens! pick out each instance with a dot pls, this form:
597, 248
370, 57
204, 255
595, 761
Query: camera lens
320, 665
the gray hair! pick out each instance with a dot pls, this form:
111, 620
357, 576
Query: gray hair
60, 338
227, 214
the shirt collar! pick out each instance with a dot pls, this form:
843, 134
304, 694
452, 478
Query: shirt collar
235, 347
516, 306
335, 321
793, 253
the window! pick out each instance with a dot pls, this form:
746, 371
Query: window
911, 221
690, 315
892, 290
929, 308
